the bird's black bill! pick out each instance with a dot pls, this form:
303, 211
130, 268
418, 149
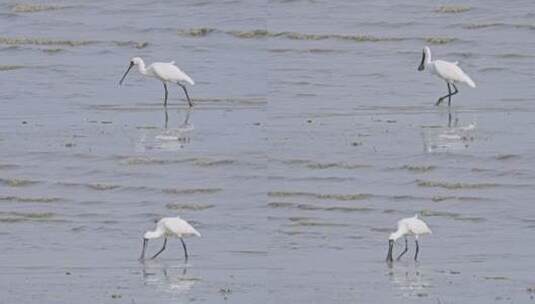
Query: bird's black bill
125, 73
145, 241
389, 258
422, 66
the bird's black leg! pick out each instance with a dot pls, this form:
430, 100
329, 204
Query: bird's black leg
166, 118
186, 121
187, 95
389, 254
161, 250
417, 249
145, 241
165, 98
445, 96
185, 249
404, 251
451, 94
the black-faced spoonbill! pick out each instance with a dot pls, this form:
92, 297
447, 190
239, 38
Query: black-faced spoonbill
166, 72
448, 71
169, 227
407, 226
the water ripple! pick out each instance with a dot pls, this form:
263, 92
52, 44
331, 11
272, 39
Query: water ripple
339, 197
33, 8
453, 9
15, 182
453, 186
10, 67
30, 199
15, 217
261, 33
192, 191
188, 206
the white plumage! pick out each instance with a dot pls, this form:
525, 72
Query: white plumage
175, 227
450, 72
169, 227
410, 226
407, 226
166, 72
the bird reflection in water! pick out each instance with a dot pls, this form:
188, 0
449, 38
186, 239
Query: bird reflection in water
167, 278
167, 138
184, 127
411, 279
450, 138
173, 139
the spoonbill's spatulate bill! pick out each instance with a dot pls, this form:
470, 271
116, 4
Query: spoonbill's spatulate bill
407, 226
167, 227
166, 72
448, 71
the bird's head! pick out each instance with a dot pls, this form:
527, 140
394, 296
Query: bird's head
136, 61
426, 57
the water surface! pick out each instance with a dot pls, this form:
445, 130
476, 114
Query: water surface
312, 134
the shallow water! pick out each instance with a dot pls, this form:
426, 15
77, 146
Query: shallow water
312, 133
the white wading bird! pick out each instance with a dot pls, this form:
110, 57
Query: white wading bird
169, 227
448, 71
407, 226
165, 72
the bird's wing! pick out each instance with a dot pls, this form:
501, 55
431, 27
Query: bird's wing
180, 227
417, 226
450, 71
169, 72
403, 225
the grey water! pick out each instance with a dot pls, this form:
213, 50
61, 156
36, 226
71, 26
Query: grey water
311, 135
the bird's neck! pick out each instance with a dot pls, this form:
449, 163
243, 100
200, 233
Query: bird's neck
154, 234
141, 68
428, 59
396, 235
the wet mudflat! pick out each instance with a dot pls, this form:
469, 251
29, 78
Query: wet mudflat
312, 133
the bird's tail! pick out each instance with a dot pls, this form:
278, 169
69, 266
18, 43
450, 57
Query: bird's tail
183, 77
188, 79
469, 81
195, 232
